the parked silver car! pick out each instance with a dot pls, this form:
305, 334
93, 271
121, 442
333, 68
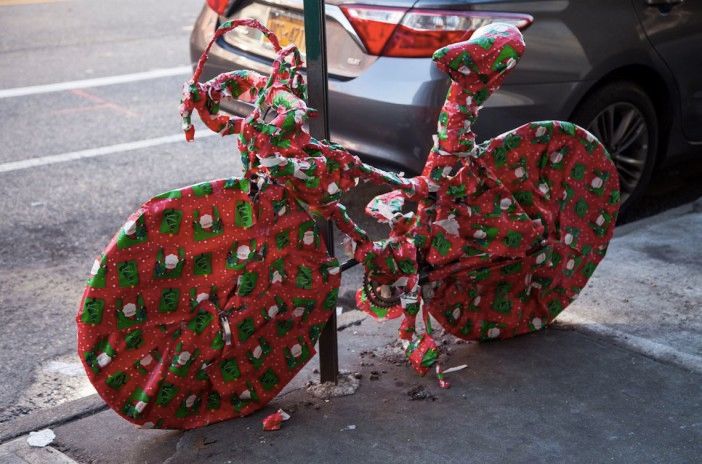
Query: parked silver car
628, 70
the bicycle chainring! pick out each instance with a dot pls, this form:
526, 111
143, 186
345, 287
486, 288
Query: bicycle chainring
371, 291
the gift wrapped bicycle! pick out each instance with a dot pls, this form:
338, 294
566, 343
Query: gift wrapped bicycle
210, 298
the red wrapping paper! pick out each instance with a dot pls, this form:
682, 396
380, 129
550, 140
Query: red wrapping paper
211, 297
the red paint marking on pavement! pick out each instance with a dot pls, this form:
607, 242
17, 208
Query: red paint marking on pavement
78, 109
102, 102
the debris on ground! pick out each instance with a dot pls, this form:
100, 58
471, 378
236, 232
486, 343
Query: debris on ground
41, 438
203, 442
392, 352
440, 374
455, 368
347, 384
419, 393
56, 381
375, 375
349, 427
273, 421
443, 383
348, 319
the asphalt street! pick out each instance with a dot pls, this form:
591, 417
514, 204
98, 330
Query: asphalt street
60, 213
57, 217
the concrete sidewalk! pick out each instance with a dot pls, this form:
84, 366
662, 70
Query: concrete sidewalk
558, 396
647, 292
619, 380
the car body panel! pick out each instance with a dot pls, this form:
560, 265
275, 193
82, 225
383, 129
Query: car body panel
348, 58
671, 29
387, 112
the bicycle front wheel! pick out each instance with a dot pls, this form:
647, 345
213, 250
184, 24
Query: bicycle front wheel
205, 304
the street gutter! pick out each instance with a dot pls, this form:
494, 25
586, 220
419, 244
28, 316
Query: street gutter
51, 417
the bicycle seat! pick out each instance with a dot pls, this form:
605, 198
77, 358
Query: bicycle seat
490, 53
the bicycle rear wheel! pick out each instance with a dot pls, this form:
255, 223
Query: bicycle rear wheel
563, 179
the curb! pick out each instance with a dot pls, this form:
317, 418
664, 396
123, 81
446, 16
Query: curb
93, 404
687, 208
51, 417
19, 451
632, 343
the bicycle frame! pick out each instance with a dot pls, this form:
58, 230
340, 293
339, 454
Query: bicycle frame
476, 68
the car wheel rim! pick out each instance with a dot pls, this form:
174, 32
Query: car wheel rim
622, 129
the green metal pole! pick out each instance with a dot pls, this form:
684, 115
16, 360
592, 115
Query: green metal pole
318, 93
316, 58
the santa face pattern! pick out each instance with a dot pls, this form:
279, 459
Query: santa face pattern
211, 298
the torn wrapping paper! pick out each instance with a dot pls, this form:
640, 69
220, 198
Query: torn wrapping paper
273, 421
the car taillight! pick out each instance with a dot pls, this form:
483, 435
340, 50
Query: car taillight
219, 6
415, 33
374, 25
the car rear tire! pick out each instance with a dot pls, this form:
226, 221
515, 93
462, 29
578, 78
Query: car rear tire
623, 117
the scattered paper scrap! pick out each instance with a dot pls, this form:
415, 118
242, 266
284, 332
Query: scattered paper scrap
284, 414
41, 438
349, 427
273, 421
455, 368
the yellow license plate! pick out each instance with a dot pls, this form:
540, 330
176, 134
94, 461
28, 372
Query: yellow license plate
288, 29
